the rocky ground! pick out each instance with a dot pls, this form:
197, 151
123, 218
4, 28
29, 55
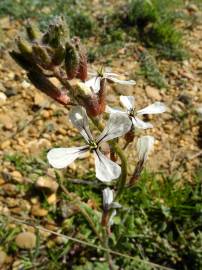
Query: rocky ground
30, 123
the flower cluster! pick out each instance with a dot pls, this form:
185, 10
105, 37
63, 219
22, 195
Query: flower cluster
54, 54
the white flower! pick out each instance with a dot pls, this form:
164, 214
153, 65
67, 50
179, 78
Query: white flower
94, 83
108, 196
128, 103
106, 170
108, 203
144, 146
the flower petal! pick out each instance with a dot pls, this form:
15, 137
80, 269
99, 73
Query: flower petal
61, 157
144, 146
138, 123
117, 125
110, 74
112, 110
124, 82
113, 214
108, 196
127, 102
157, 107
94, 84
79, 119
106, 170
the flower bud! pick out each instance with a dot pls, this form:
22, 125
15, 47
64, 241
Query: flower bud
57, 34
33, 32
82, 69
129, 136
71, 61
144, 146
93, 103
58, 55
24, 47
43, 84
41, 55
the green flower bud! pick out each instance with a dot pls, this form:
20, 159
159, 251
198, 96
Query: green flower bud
41, 55
71, 61
58, 55
33, 32
57, 34
24, 47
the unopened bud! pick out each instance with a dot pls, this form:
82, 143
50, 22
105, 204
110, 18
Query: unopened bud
58, 55
57, 34
82, 73
41, 55
43, 84
129, 136
93, 103
33, 32
71, 61
24, 47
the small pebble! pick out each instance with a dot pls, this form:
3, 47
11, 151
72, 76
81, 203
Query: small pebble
26, 240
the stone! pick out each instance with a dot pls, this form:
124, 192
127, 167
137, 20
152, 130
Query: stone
10, 92
126, 90
38, 211
26, 240
25, 85
48, 183
2, 88
5, 144
199, 110
17, 176
3, 98
3, 257
8, 126
35, 146
5, 22
185, 98
41, 100
52, 199
153, 93
10, 189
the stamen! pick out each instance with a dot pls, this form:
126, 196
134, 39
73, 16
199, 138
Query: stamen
92, 146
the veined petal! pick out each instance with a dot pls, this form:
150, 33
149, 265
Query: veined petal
61, 157
117, 125
106, 170
127, 102
157, 107
79, 119
110, 74
113, 214
113, 110
144, 146
108, 196
113, 79
141, 124
94, 84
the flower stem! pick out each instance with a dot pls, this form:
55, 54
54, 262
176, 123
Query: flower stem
105, 243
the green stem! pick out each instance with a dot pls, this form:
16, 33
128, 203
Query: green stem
106, 246
90, 222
